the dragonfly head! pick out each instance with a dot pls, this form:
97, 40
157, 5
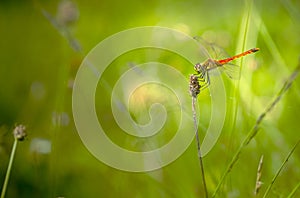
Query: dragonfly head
199, 68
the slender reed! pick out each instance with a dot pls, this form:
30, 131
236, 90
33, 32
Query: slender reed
19, 134
292, 194
255, 129
243, 38
194, 91
12, 155
280, 169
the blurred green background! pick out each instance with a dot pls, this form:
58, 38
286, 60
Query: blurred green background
42, 46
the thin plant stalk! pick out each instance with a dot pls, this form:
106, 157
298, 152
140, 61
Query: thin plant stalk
243, 37
12, 155
252, 133
258, 176
280, 169
194, 99
292, 194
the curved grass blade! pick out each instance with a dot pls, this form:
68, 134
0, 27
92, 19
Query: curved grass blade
292, 194
280, 169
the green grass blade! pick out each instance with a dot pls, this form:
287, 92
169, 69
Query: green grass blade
292, 194
280, 169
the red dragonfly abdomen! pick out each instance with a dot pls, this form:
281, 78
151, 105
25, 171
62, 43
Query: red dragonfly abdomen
226, 60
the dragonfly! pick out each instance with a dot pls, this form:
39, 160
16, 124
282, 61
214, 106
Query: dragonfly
202, 70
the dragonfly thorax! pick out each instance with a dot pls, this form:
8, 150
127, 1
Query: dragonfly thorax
199, 68
211, 64
206, 65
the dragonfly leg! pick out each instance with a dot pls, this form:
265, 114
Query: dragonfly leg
205, 80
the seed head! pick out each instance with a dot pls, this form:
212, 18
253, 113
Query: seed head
20, 132
194, 85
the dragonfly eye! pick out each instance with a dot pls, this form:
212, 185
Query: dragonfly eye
198, 68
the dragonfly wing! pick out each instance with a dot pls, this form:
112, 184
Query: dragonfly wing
231, 70
202, 48
212, 49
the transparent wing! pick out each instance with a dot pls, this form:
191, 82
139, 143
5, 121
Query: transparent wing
212, 49
202, 46
231, 70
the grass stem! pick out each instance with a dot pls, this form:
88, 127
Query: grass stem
280, 169
194, 99
292, 194
12, 155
